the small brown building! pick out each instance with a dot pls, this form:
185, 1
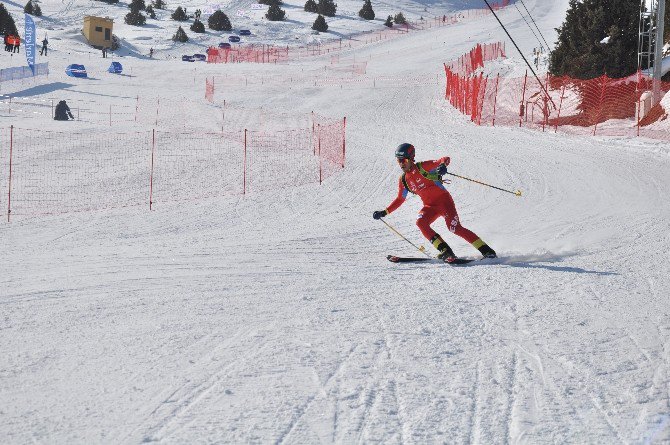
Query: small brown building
98, 31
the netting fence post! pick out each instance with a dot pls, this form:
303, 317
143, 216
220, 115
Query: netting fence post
318, 135
344, 139
604, 80
137, 106
560, 105
151, 173
523, 98
9, 190
495, 100
244, 169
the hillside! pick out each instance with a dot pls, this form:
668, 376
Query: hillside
273, 316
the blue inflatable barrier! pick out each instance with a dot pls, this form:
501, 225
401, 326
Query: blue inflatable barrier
224, 45
187, 58
245, 32
200, 57
234, 39
115, 68
75, 70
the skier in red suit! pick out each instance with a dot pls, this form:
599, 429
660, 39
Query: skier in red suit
423, 179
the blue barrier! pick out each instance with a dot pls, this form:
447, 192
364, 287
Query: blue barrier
234, 39
200, 57
115, 68
75, 70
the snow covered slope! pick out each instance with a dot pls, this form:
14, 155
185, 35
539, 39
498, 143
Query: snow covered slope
275, 317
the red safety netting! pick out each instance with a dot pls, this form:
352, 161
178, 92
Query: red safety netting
48, 172
602, 106
274, 54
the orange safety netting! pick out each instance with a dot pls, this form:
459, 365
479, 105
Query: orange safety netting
602, 106
51, 172
275, 54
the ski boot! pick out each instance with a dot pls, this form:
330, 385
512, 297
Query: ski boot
446, 254
487, 252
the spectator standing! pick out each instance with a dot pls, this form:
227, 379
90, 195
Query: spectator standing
45, 42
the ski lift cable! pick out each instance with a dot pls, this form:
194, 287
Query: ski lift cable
544, 88
538, 29
531, 28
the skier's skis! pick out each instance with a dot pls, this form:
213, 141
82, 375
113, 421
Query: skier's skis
399, 259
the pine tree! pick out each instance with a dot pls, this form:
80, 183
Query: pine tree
159, 4
137, 4
399, 19
389, 22
275, 13
37, 11
310, 6
135, 17
180, 36
219, 21
327, 8
320, 24
270, 2
579, 52
28, 9
179, 15
198, 27
7, 25
150, 12
366, 11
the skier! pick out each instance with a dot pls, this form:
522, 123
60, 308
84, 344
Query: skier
424, 179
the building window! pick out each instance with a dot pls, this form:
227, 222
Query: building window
98, 28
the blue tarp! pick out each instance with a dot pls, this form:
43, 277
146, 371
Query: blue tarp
75, 70
115, 68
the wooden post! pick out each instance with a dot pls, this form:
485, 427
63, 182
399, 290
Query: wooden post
560, 105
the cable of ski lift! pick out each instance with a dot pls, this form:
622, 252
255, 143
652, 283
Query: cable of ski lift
538, 29
544, 88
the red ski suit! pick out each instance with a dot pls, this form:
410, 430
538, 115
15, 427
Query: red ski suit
437, 202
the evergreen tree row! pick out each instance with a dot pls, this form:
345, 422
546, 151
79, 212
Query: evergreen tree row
7, 25
583, 52
32, 9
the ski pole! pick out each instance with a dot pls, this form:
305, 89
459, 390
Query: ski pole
517, 192
393, 229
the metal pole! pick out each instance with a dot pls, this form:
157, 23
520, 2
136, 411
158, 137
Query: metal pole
151, 174
9, 193
244, 173
658, 51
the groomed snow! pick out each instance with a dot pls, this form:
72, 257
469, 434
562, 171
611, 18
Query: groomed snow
275, 317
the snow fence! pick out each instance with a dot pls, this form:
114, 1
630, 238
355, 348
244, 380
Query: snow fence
50, 172
602, 106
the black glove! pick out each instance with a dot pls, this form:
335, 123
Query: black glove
379, 214
441, 169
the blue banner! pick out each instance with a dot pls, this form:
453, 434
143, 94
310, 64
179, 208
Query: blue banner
29, 38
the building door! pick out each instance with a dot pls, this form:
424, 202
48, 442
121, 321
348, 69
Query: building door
108, 34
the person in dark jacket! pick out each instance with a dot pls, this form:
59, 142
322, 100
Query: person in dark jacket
63, 112
44, 50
